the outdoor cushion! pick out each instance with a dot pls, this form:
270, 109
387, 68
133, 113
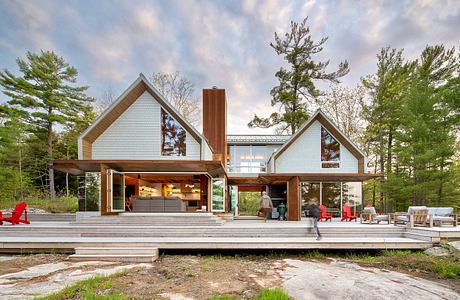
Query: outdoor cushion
402, 218
412, 209
444, 211
370, 210
381, 217
442, 218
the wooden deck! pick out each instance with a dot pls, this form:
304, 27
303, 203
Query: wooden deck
192, 232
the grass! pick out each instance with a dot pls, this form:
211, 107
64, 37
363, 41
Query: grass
63, 204
446, 267
86, 289
266, 294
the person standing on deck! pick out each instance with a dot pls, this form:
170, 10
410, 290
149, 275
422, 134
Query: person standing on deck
266, 205
314, 213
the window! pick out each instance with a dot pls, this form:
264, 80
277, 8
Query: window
248, 158
218, 195
330, 150
172, 136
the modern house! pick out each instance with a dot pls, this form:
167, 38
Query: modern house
141, 155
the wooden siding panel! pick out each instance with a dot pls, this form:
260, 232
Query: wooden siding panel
136, 134
304, 155
215, 121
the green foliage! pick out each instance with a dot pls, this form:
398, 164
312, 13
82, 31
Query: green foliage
45, 96
63, 204
248, 203
314, 254
42, 100
265, 294
298, 84
87, 289
412, 128
272, 294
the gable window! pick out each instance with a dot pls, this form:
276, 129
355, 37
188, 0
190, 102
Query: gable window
330, 150
172, 136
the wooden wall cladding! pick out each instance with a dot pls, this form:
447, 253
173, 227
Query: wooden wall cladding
293, 199
215, 121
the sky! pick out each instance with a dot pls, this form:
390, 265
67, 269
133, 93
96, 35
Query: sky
217, 43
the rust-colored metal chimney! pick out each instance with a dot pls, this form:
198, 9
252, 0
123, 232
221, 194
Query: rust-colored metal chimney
215, 121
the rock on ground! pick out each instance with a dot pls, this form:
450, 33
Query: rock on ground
455, 245
437, 251
44, 279
343, 280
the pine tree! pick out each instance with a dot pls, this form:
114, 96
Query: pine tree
297, 85
386, 89
44, 97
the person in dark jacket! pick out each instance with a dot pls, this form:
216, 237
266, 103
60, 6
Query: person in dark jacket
314, 213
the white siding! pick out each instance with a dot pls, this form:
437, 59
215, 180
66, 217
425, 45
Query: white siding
304, 155
136, 134
207, 152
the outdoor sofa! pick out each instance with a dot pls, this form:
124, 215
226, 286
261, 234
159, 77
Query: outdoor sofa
415, 215
442, 215
158, 204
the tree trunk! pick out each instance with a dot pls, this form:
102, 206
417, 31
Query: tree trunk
21, 190
388, 204
50, 156
441, 183
382, 166
375, 184
67, 175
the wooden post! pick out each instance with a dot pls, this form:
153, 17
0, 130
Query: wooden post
293, 199
104, 190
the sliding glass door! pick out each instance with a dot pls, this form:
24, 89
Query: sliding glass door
118, 191
218, 195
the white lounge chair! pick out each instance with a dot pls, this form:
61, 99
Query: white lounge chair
370, 215
415, 215
442, 215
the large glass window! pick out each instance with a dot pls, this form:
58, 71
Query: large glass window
218, 194
330, 150
92, 191
352, 195
118, 191
311, 194
172, 136
248, 158
331, 197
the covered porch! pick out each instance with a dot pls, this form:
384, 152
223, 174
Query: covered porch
177, 186
298, 190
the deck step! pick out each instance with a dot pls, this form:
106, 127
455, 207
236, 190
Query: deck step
116, 254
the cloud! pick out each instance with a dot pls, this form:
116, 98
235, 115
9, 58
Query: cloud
223, 43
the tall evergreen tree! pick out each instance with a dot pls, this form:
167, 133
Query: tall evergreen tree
44, 97
298, 84
386, 89
427, 137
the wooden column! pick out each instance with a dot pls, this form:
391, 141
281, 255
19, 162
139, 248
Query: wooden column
293, 199
215, 122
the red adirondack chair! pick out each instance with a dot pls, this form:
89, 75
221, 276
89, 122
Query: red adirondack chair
347, 215
15, 218
324, 214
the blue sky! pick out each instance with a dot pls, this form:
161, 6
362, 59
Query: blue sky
223, 43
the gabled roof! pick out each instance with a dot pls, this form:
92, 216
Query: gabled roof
126, 99
333, 129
